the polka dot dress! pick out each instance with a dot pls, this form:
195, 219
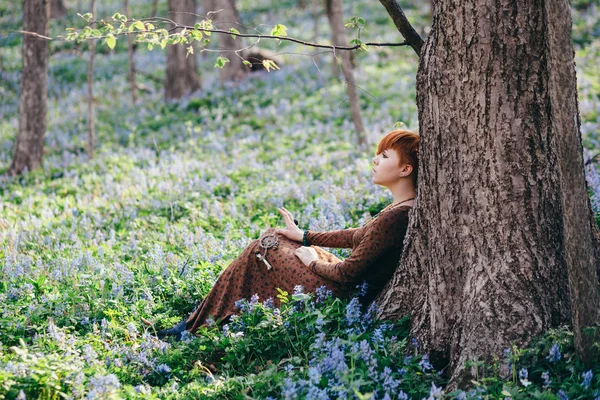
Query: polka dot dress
247, 276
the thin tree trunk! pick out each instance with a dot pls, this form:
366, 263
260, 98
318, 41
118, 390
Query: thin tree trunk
226, 18
90, 87
130, 55
29, 145
154, 7
182, 72
339, 38
57, 9
502, 225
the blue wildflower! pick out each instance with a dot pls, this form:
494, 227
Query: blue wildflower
546, 379
362, 289
323, 293
425, 364
269, 303
289, 389
353, 311
163, 369
523, 373
288, 368
587, 379
402, 395
435, 392
562, 395
242, 305
554, 354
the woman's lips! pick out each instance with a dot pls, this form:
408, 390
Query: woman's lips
374, 171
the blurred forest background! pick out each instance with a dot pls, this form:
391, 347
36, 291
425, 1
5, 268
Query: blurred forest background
153, 184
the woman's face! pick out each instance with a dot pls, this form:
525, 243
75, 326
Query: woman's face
386, 171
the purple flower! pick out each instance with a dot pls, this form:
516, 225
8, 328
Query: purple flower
353, 311
163, 369
587, 379
425, 364
362, 289
554, 354
269, 303
562, 395
546, 379
323, 293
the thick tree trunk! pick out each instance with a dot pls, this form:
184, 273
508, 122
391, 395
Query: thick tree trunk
29, 146
226, 17
182, 73
492, 246
57, 9
336, 17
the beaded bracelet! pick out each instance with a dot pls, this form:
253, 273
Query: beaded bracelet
304, 242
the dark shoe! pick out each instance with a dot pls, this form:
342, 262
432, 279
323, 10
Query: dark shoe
176, 331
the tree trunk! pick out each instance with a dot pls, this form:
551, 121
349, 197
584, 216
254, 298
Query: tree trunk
182, 73
130, 56
154, 8
500, 246
336, 18
57, 9
226, 18
29, 145
90, 88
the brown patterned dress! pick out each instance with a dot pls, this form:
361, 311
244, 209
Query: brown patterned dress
376, 249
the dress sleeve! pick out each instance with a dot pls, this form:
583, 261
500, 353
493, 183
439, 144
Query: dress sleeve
340, 239
384, 234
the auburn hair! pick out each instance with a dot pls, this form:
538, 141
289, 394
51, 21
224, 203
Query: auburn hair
406, 145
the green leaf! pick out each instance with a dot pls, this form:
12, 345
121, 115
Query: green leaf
279, 30
234, 32
190, 50
86, 16
269, 64
139, 25
246, 62
150, 46
111, 41
221, 61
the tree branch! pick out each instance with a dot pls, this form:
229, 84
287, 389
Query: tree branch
404, 27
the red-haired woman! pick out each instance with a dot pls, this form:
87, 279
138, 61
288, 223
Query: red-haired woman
376, 247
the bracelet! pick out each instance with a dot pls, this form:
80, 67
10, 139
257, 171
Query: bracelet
304, 242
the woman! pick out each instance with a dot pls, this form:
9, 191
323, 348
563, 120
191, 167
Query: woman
376, 247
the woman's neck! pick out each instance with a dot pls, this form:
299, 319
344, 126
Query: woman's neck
402, 191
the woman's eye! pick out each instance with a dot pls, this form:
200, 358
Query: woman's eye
384, 156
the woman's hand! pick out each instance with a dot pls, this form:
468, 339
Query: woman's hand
306, 254
291, 231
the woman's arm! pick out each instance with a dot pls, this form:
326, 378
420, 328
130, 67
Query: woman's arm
339, 239
384, 234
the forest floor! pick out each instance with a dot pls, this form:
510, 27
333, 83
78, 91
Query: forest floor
90, 249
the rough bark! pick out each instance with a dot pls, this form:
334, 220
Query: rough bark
131, 64
29, 146
226, 17
336, 18
492, 248
57, 9
579, 224
182, 73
